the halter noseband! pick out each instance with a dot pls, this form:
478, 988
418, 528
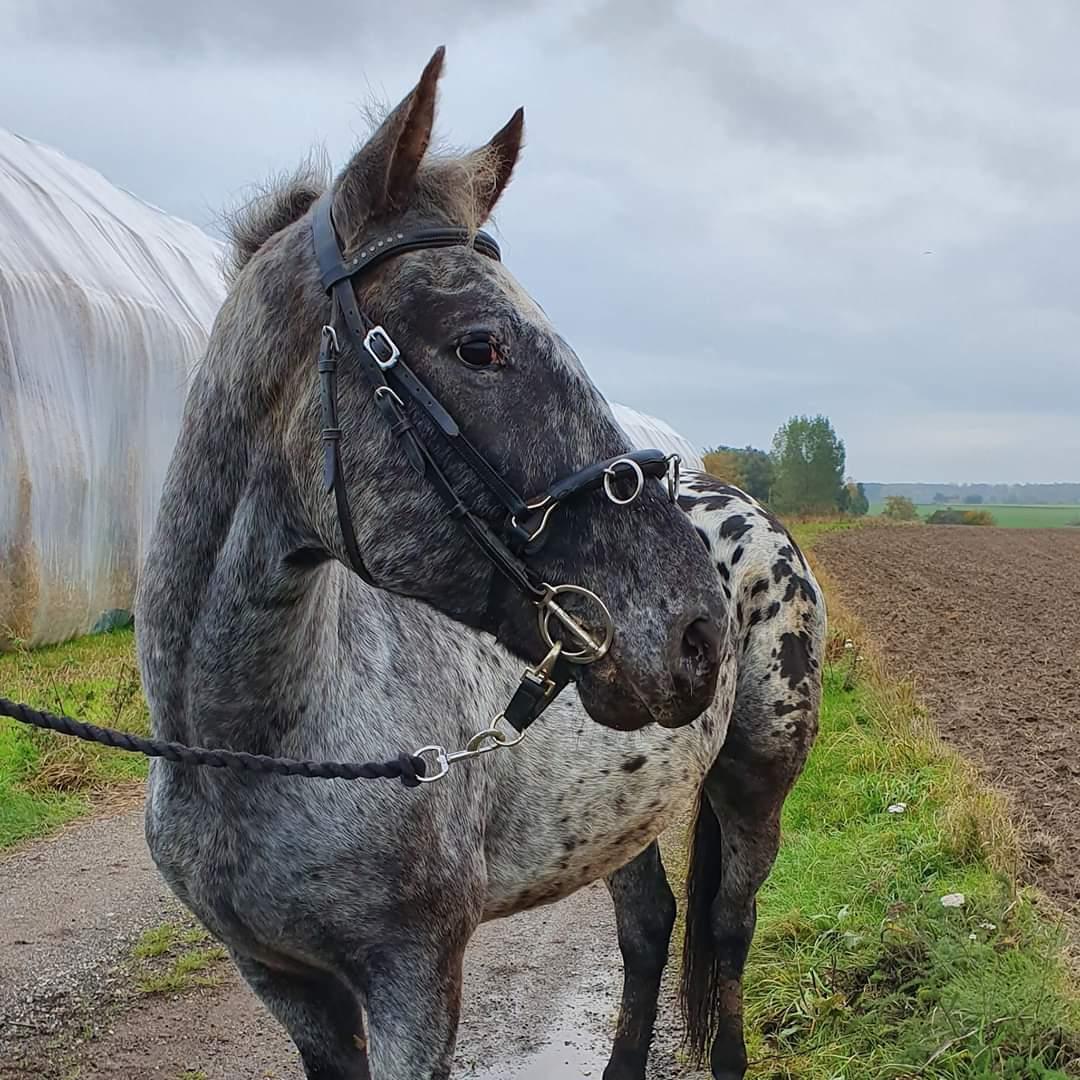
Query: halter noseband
393, 383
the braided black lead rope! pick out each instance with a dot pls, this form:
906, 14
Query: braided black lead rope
406, 767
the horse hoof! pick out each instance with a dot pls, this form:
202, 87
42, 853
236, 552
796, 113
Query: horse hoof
625, 1066
621, 1071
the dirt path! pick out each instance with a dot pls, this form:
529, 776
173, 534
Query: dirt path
541, 988
988, 622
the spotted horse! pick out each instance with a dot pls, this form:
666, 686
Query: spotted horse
333, 576
780, 626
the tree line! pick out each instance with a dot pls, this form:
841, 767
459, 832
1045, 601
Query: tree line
803, 473
976, 494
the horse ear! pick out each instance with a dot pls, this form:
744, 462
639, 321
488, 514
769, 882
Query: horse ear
502, 151
380, 177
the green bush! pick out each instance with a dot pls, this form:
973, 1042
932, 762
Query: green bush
899, 508
960, 517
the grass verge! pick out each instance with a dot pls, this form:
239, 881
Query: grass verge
47, 779
859, 971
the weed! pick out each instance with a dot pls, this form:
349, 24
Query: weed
174, 957
187, 971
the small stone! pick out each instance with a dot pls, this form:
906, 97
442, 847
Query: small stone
953, 899
897, 808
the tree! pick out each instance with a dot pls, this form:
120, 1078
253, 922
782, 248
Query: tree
855, 500
940, 497
973, 500
897, 508
808, 462
724, 464
748, 468
757, 470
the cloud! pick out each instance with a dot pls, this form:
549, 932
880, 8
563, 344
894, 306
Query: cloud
265, 30
734, 212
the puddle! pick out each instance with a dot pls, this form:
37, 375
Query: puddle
573, 1048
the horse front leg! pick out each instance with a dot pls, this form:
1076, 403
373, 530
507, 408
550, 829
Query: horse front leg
413, 1004
321, 1014
645, 914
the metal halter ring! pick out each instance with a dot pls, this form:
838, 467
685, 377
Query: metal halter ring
591, 650
610, 474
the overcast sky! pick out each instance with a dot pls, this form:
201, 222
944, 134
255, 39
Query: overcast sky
734, 211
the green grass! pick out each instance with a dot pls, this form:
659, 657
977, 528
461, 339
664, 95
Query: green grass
1008, 516
47, 779
857, 971
806, 532
175, 957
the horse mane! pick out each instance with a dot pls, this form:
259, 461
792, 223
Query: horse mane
275, 205
449, 183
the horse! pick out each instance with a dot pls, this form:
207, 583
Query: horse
781, 627
318, 586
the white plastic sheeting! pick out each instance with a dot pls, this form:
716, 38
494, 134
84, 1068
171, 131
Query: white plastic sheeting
646, 432
105, 303
105, 306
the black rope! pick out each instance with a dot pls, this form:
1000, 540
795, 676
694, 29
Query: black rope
405, 767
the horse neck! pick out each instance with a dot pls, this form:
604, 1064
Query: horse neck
241, 645
216, 595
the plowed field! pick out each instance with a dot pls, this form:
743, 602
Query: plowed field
987, 621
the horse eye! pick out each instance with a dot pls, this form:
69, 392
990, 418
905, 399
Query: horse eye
478, 353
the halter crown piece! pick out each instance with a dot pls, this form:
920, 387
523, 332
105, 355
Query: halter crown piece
393, 385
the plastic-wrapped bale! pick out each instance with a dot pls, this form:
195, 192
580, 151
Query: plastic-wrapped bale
105, 305
646, 432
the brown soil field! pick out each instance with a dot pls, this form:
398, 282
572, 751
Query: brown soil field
987, 623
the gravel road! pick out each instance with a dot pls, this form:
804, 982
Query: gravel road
540, 999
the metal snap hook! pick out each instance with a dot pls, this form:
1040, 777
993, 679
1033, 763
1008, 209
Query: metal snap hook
610, 475
591, 650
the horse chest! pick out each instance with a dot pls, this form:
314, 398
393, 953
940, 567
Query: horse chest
566, 827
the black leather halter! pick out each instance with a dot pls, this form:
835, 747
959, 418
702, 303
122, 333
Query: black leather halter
394, 384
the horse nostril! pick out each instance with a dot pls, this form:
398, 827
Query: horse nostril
701, 645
